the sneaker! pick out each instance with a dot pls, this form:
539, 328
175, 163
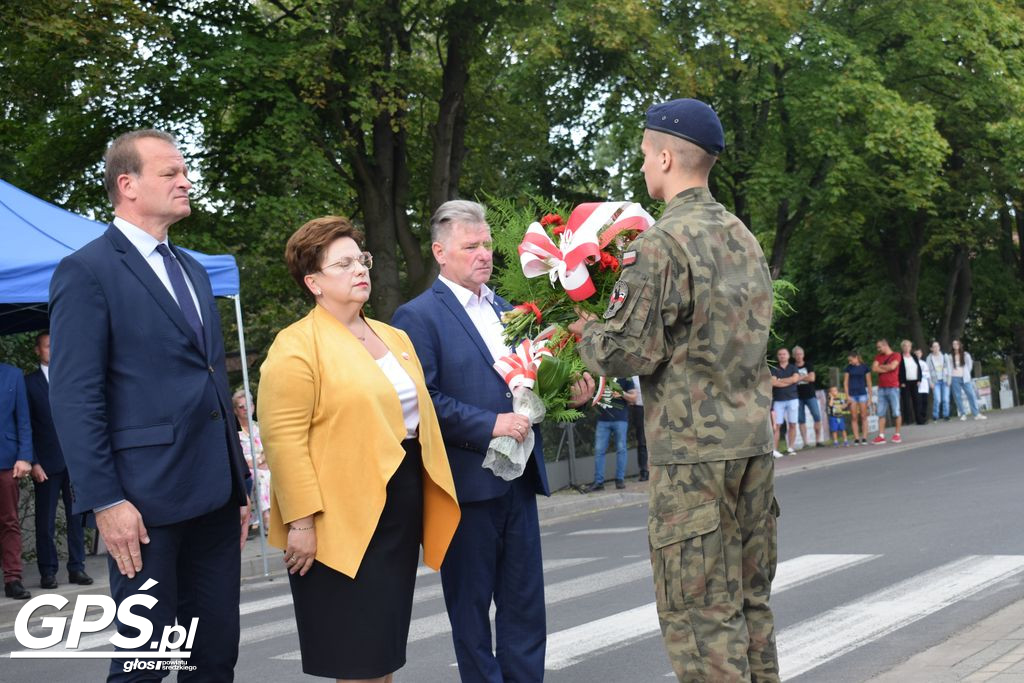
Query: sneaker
790, 451
846, 444
896, 438
777, 454
979, 416
878, 440
595, 487
620, 484
963, 417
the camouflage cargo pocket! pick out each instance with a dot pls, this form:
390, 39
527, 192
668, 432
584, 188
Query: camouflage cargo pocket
687, 556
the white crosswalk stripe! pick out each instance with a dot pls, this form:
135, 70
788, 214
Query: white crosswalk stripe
811, 643
266, 609
575, 644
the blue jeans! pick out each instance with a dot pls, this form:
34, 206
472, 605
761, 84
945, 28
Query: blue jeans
601, 435
940, 399
959, 385
889, 402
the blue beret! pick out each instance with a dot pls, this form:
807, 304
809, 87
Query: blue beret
691, 120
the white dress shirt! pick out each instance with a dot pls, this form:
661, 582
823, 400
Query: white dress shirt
147, 244
480, 310
46, 372
910, 367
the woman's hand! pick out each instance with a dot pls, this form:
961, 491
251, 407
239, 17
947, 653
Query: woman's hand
301, 549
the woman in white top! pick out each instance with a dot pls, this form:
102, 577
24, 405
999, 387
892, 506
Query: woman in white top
259, 470
939, 369
961, 367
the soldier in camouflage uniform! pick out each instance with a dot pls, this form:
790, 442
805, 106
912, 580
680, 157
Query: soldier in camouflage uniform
690, 314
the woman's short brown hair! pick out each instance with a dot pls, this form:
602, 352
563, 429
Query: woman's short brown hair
305, 249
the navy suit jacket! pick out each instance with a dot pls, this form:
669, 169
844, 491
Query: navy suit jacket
44, 435
15, 426
468, 392
141, 411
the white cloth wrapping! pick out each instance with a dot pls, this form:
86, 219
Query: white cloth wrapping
506, 457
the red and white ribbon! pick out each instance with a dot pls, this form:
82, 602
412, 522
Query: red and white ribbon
580, 244
519, 369
602, 384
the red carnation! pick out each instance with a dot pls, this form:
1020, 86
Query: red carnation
551, 219
608, 262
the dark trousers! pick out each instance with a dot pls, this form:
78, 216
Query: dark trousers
496, 553
48, 493
909, 403
197, 563
636, 421
10, 527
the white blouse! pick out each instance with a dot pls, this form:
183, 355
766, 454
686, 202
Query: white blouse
406, 392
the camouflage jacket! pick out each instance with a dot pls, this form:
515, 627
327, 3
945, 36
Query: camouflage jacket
690, 314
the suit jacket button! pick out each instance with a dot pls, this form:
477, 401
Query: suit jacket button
210, 368
214, 415
508, 394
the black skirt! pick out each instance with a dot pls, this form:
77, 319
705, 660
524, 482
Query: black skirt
358, 628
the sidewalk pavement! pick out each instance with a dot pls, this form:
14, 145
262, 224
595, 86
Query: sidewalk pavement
996, 641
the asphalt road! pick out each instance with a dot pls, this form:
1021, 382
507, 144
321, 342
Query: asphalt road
879, 559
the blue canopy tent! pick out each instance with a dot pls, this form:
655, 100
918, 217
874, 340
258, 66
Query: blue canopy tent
35, 235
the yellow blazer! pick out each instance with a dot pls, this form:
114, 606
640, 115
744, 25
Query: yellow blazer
332, 431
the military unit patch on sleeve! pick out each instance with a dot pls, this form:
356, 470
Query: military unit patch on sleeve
628, 259
618, 297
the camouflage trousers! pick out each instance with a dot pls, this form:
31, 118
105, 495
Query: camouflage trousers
713, 550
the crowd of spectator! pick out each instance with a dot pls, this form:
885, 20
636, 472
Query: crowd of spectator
895, 388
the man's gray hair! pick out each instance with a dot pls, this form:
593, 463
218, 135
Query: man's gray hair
798, 348
455, 211
122, 157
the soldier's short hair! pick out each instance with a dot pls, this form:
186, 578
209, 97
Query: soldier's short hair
123, 157
452, 212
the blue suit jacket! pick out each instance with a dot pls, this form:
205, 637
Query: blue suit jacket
15, 429
141, 412
468, 392
44, 435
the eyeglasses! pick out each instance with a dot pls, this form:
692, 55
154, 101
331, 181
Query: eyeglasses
346, 264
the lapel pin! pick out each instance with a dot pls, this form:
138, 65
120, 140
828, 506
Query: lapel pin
405, 355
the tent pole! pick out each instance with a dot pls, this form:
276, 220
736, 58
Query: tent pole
252, 445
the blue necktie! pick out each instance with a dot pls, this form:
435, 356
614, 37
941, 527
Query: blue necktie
181, 293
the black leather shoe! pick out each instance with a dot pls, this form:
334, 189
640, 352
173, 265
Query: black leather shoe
620, 484
48, 581
15, 590
81, 578
595, 487
644, 476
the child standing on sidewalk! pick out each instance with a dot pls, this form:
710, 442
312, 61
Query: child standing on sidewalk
837, 415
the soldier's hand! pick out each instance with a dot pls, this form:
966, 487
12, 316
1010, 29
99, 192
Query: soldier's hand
582, 390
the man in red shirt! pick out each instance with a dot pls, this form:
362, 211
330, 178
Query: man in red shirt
887, 365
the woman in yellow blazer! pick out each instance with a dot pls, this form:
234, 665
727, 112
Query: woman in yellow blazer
360, 475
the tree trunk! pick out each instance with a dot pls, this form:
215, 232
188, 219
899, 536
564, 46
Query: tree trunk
904, 268
957, 299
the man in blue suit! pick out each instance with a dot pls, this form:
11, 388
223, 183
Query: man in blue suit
496, 553
52, 482
15, 462
141, 404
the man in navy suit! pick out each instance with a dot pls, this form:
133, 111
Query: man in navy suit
496, 554
15, 462
140, 400
52, 482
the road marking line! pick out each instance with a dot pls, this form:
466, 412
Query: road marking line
608, 530
573, 645
588, 584
843, 629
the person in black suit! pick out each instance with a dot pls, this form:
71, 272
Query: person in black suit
140, 400
51, 479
